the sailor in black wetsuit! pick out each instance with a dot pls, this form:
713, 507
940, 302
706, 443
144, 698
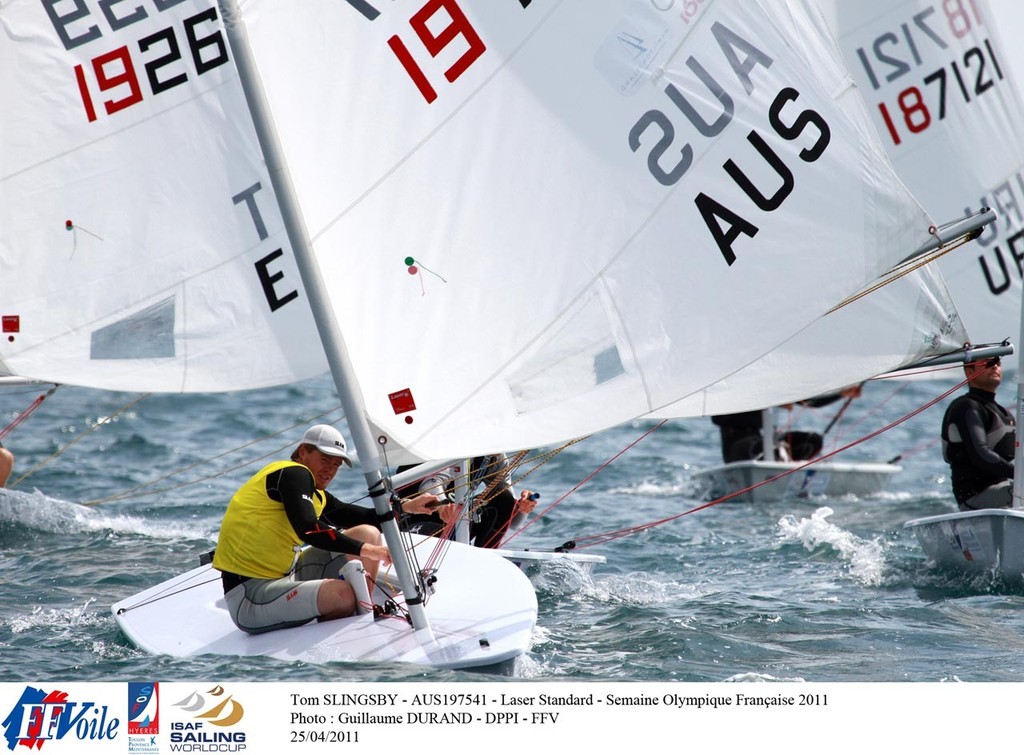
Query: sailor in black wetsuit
978, 441
497, 511
741, 433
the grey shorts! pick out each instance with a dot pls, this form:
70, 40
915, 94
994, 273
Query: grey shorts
263, 605
998, 496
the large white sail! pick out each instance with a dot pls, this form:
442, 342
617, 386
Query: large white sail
945, 99
140, 243
898, 325
604, 206
536, 220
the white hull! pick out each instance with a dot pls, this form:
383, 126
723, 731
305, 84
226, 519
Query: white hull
820, 479
989, 540
525, 559
482, 614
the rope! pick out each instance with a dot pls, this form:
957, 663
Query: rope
599, 539
27, 413
898, 272
587, 479
138, 489
74, 440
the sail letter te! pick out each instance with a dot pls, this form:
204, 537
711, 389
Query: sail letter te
268, 279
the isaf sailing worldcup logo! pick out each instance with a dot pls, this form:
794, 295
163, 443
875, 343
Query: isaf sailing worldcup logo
213, 707
39, 717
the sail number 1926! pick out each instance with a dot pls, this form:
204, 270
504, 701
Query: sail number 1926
168, 56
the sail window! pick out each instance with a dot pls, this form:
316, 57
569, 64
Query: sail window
575, 358
148, 334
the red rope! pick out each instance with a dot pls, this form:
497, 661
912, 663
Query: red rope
25, 414
592, 540
584, 481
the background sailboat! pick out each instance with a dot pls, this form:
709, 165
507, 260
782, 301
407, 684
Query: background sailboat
944, 102
661, 170
944, 92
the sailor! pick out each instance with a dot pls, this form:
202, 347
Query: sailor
270, 581
498, 511
978, 441
6, 465
741, 433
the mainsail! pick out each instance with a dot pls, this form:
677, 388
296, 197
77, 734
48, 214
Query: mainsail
559, 217
534, 220
942, 93
140, 243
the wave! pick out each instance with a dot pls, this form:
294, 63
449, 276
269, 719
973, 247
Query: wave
865, 558
39, 512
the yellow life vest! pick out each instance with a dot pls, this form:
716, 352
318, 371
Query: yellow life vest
256, 539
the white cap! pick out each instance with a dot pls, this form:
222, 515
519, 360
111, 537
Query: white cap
327, 440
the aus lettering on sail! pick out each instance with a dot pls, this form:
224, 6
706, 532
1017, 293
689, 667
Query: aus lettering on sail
700, 103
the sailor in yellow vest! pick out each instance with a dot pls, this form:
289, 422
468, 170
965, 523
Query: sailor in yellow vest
269, 581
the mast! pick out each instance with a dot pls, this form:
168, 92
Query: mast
330, 334
768, 433
1017, 502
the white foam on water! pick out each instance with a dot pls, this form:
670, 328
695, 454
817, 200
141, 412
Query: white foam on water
865, 558
40, 512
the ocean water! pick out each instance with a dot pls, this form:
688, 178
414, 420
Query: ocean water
114, 492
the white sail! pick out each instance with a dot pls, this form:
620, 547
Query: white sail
605, 208
140, 243
543, 168
895, 326
944, 96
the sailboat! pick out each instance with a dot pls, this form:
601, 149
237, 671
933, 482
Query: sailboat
208, 198
943, 91
911, 324
941, 95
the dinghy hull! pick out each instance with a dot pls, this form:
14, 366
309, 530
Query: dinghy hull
821, 479
482, 615
985, 541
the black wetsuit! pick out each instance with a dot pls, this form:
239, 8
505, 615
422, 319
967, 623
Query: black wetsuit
978, 443
741, 434
490, 521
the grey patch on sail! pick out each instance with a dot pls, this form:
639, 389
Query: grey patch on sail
579, 356
148, 334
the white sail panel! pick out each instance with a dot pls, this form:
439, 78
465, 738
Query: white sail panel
598, 202
942, 93
141, 246
898, 325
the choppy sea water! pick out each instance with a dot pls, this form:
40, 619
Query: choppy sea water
115, 492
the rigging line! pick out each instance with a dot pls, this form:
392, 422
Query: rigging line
134, 490
586, 479
212, 476
79, 437
915, 450
624, 532
170, 593
22, 416
904, 384
842, 410
501, 533
896, 274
